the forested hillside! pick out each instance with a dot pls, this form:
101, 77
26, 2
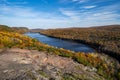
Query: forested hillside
13, 29
105, 38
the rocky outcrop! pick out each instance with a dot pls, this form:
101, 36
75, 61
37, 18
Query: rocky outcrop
21, 64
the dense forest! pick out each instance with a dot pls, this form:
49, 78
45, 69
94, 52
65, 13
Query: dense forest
104, 39
11, 38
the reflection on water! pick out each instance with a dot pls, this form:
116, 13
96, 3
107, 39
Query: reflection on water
74, 46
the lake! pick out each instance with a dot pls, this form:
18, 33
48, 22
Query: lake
70, 45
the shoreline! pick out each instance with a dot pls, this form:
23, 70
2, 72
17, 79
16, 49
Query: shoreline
96, 47
93, 50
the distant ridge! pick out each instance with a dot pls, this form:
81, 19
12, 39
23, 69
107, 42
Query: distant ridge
13, 29
104, 26
35, 30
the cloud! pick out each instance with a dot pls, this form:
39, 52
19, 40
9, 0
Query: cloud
35, 22
100, 16
89, 7
27, 16
75, 1
69, 13
26, 12
83, 15
7, 2
80, 1
17, 11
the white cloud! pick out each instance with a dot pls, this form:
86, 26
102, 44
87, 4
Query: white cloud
86, 16
7, 2
70, 14
76, 1
101, 16
35, 22
27, 16
105, 16
17, 11
25, 12
89, 7
80, 1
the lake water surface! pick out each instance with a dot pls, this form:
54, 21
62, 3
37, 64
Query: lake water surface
70, 45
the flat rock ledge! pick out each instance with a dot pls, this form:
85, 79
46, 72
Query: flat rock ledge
22, 64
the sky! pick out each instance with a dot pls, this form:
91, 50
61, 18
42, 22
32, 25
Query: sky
59, 13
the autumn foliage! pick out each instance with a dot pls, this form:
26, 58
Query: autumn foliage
108, 69
105, 39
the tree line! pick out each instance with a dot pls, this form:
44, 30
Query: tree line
104, 39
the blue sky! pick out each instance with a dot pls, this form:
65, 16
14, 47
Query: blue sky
59, 13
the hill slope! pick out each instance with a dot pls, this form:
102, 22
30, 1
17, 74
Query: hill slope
13, 29
105, 38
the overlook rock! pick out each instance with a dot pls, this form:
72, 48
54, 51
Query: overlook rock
22, 64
